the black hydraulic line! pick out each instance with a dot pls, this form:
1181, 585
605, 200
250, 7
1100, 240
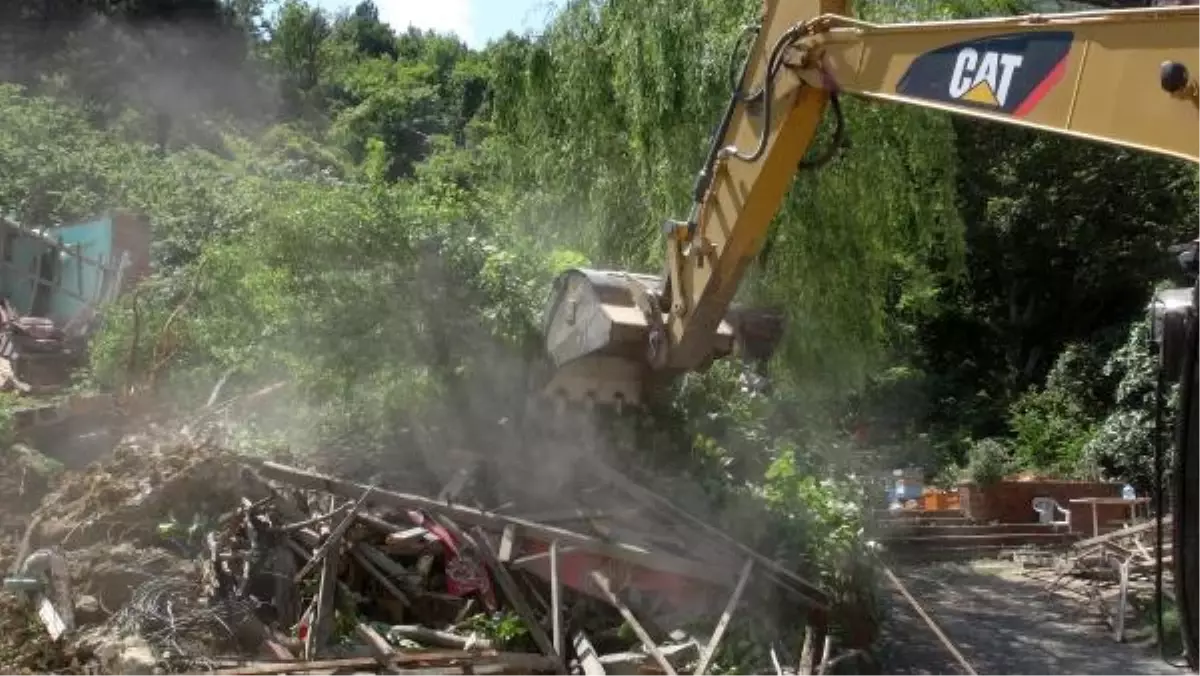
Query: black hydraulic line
704, 178
835, 144
765, 93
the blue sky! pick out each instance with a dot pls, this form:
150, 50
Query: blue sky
475, 21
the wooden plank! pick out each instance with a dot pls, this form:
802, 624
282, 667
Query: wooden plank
520, 604
380, 649
533, 558
322, 623
320, 518
826, 651
406, 534
815, 596
710, 650
380, 577
441, 639
507, 542
589, 659
335, 537
652, 560
518, 662
1120, 534
36, 283
556, 603
814, 634
933, 626
648, 643
574, 514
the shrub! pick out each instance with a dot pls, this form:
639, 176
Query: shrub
988, 461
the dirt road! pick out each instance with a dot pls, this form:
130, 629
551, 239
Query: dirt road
1002, 623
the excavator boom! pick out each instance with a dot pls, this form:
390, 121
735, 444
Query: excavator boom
1122, 77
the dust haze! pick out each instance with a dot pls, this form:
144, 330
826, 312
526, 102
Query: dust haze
520, 455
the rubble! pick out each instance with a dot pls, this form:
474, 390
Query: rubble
185, 557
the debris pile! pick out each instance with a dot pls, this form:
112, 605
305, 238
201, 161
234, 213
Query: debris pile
1114, 572
416, 582
176, 555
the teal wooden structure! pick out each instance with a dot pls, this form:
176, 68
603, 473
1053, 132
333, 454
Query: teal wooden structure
61, 271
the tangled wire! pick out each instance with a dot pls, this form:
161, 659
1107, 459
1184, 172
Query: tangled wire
179, 622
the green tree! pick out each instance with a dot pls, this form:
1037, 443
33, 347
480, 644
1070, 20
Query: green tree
297, 48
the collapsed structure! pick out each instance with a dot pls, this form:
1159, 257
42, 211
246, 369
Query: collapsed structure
174, 554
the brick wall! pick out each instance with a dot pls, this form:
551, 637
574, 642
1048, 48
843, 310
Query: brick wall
1012, 501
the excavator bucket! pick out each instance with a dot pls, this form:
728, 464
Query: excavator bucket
598, 335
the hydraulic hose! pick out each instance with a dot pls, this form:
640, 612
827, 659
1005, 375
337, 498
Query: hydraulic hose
704, 178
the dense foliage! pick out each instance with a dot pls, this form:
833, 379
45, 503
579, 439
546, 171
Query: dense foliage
373, 217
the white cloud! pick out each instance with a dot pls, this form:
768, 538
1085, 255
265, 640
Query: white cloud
444, 16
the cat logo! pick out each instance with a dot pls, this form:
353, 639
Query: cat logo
1008, 73
983, 78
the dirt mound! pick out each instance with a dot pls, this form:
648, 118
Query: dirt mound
130, 521
146, 493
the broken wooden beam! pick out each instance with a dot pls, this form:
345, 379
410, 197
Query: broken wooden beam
589, 659
648, 643
507, 542
658, 561
514, 662
379, 576
519, 603
334, 539
556, 602
380, 649
710, 650
533, 558
440, 639
321, 627
287, 528
806, 589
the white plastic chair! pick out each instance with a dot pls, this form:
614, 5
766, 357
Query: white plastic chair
1047, 508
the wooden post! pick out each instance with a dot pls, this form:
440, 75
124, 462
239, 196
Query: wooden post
826, 651
711, 649
507, 542
509, 586
556, 602
644, 636
814, 635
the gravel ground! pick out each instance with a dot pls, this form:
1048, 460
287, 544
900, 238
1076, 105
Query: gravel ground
1003, 623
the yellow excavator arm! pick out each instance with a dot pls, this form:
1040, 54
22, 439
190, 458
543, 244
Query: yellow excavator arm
1123, 77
